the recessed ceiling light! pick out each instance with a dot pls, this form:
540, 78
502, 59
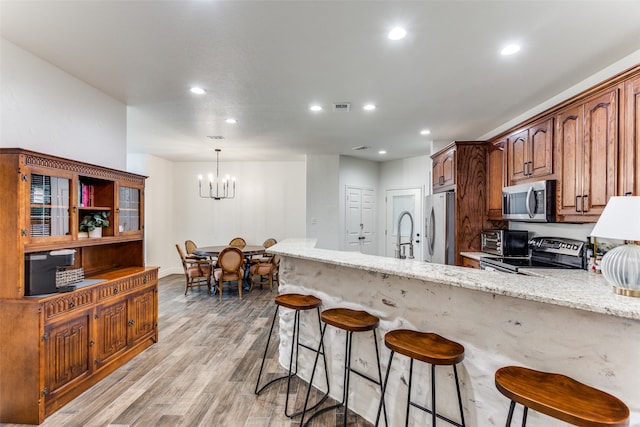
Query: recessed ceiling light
397, 33
231, 121
215, 136
315, 108
510, 49
425, 132
382, 152
369, 107
198, 90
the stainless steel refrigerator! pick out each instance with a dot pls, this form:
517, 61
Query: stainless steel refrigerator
439, 228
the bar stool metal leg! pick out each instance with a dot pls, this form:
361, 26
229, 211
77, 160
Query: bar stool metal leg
346, 380
428, 348
295, 345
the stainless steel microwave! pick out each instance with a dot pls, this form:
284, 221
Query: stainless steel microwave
531, 202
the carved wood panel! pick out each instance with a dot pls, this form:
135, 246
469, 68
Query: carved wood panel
66, 352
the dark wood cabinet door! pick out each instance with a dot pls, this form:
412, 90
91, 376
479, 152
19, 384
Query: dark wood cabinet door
444, 171
495, 179
66, 350
630, 139
518, 155
540, 161
142, 315
111, 338
599, 176
569, 136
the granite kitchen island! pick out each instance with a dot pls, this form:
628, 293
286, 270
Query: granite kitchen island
563, 321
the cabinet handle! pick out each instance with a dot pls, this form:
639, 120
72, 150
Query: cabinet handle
115, 289
72, 304
524, 168
91, 343
628, 193
131, 322
44, 391
144, 280
578, 204
584, 196
75, 209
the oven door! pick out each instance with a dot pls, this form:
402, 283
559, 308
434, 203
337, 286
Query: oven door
491, 265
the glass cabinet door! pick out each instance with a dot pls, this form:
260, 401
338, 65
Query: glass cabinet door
129, 209
49, 206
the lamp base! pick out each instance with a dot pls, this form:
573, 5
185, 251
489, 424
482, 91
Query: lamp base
627, 292
621, 268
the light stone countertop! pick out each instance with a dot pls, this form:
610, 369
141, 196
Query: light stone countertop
578, 289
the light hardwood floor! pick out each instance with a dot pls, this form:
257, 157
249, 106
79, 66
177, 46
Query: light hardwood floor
202, 372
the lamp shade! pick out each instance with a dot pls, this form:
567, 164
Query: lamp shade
619, 220
621, 265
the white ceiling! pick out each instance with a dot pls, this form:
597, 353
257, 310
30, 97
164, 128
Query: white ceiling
264, 62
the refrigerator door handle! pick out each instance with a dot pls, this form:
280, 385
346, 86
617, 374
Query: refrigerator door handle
431, 231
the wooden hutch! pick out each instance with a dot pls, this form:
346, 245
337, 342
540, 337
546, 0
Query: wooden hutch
56, 345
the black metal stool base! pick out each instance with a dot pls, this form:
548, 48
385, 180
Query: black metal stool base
295, 343
345, 385
410, 403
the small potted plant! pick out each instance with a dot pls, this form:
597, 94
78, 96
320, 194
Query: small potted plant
92, 223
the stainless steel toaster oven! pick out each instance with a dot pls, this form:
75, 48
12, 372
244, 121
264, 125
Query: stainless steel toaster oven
505, 242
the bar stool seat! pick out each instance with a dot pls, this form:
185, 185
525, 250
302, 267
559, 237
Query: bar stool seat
350, 321
560, 397
430, 348
299, 303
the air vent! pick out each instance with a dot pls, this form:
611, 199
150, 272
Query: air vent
360, 148
341, 107
215, 137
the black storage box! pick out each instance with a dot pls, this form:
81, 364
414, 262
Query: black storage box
40, 270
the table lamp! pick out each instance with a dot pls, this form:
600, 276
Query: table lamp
620, 266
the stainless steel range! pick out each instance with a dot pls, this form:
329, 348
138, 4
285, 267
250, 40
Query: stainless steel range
546, 252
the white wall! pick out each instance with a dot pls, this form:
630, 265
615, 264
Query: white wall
159, 213
47, 110
323, 200
269, 202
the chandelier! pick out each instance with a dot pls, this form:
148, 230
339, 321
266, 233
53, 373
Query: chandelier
228, 184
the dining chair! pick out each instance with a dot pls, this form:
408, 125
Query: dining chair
190, 246
197, 272
267, 272
265, 257
238, 242
230, 268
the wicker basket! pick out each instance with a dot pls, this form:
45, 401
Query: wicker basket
67, 277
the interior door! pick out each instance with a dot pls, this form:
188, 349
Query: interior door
398, 201
360, 207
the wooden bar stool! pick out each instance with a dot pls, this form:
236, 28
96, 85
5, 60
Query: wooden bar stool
560, 397
350, 321
429, 348
298, 303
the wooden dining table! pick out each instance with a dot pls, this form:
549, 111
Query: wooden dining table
248, 251
214, 251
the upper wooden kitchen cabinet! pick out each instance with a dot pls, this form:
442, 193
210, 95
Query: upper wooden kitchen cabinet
496, 179
444, 170
630, 139
530, 153
467, 161
587, 150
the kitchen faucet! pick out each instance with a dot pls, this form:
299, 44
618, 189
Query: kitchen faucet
400, 247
